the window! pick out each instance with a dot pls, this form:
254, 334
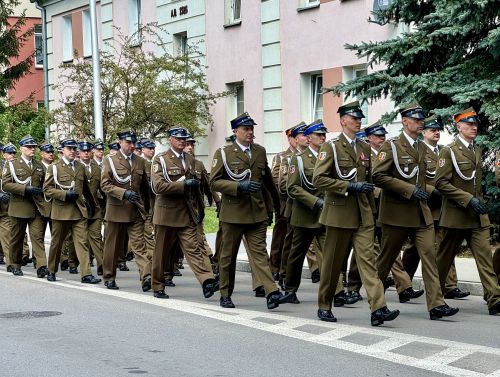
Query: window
180, 43
134, 19
364, 104
316, 97
232, 12
40, 105
38, 46
67, 39
236, 101
305, 4
87, 33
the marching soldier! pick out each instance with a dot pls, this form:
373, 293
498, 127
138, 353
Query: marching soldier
238, 172
148, 152
464, 214
4, 219
94, 222
72, 204
23, 178
125, 184
98, 152
400, 172
432, 133
178, 211
343, 171
113, 148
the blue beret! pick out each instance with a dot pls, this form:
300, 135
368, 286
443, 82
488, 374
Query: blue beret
316, 127
352, 108
178, 132
127, 135
27, 141
242, 120
68, 142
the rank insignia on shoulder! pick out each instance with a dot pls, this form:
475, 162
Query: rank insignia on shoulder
321, 156
292, 169
441, 162
214, 162
382, 156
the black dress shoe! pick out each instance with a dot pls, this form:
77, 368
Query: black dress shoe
177, 273
315, 276
276, 276
2, 260
111, 284
260, 292
73, 270
274, 299
41, 272
226, 302
456, 293
326, 315
180, 266
123, 266
495, 309
9, 268
389, 282
293, 298
160, 294
382, 315
409, 294
130, 256
64, 265
26, 260
339, 299
16, 271
146, 284
442, 311
354, 296
208, 287
169, 283
51, 276
99, 270
90, 279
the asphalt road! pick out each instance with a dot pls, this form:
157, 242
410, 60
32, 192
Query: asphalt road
71, 329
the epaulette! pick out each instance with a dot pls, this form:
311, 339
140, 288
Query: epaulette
394, 138
334, 139
364, 141
161, 153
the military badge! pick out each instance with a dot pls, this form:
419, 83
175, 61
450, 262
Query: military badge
283, 169
441, 162
322, 156
382, 156
292, 169
156, 167
214, 162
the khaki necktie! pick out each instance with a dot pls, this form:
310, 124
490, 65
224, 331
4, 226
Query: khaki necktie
248, 152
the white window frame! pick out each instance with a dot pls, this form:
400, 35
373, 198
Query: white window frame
316, 104
67, 35
86, 33
232, 12
360, 72
307, 4
180, 43
38, 35
134, 19
236, 106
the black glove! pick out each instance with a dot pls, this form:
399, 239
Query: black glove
33, 191
364, 187
71, 196
269, 218
420, 194
201, 216
191, 183
478, 206
131, 196
248, 186
4, 197
319, 204
436, 194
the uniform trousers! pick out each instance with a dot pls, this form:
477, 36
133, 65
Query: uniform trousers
149, 235
277, 241
5, 237
337, 246
60, 230
94, 236
115, 246
255, 235
187, 237
393, 238
36, 227
478, 240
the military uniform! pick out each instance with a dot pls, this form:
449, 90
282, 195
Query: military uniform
458, 178
4, 221
24, 180
125, 184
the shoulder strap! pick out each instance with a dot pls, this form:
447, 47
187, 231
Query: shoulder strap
345, 177
235, 177
122, 181
303, 179
415, 170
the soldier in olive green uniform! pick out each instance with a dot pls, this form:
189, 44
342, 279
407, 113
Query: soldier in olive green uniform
72, 204
124, 182
4, 214
400, 172
148, 152
464, 215
238, 172
343, 171
23, 178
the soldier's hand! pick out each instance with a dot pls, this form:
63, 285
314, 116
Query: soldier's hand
191, 183
33, 191
319, 204
420, 194
269, 218
363, 187
131, 196
478, 206
248, 186
71, 196
436, 194
4, 198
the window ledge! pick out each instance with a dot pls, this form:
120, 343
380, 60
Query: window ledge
231, 24
308, 7
38, 66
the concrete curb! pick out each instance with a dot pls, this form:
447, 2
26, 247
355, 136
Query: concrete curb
475, 289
